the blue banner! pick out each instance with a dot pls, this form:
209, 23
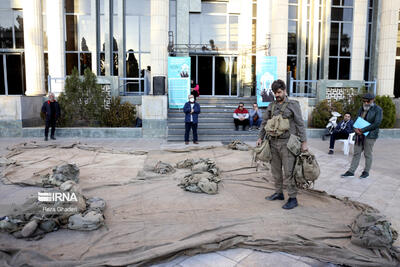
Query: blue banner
178, 81
266, 74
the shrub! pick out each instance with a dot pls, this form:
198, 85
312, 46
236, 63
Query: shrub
322, 112
389, 111
82, 102
119, 114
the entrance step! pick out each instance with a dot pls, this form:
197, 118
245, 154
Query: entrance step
215, 120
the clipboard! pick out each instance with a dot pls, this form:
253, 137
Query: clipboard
361, 123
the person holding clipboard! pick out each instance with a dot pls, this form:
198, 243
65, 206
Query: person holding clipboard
366, 127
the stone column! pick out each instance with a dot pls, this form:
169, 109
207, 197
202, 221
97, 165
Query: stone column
279, 35
108, 36
94, 20
33, 46
358, 42
325, 36
244, 44
159, 37
387, 38
314, 40
121, 39
56, 43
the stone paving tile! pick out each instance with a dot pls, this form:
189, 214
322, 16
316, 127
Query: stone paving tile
208, 259
236, 254
173, 263
273, 259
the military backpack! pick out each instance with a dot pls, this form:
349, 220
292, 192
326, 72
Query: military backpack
277, 125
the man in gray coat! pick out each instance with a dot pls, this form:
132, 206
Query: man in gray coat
373, 114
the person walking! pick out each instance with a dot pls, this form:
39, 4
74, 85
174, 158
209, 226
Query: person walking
51, 109
342, 131
281, 156
192, 111
372, 113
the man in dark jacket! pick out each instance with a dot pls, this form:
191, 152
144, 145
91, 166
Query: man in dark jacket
192, 111
342, 131
51, 110
373, 114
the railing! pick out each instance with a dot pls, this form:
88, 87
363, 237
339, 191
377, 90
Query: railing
303, 88
55, 79
133, 86
371, 86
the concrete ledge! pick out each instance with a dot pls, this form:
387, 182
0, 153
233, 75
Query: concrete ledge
86, 132
383, 133
153, 128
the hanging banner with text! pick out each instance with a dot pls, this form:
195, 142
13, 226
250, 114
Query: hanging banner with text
266, 72
178, 81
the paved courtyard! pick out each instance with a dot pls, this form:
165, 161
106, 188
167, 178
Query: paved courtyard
381, 190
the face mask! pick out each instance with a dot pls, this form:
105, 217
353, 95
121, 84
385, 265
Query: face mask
191, 100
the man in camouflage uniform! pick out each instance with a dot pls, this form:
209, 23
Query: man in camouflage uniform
281, 156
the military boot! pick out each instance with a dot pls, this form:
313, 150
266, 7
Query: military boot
275, 196
292, 203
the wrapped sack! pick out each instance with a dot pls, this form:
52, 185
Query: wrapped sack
372, 230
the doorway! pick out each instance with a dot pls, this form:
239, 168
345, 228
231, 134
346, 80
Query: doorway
215, 75
12, 79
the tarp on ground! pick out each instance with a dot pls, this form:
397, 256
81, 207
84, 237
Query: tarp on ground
150, 219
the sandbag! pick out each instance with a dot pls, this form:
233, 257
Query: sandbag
86, 222
372, 230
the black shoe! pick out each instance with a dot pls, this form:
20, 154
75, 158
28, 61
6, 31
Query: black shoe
244, 128
330, 152
46, 138
276, 196
52, 138
292, 203
236, 128
364, 174
347, 175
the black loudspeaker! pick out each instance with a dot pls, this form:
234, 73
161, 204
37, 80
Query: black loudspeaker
158, 85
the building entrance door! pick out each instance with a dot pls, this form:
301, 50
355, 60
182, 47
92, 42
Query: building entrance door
216, 75
12, 80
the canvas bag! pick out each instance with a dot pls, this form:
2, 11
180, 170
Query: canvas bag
277, 125
306, 170
263, 152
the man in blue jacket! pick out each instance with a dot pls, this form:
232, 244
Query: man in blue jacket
192, 111
52, 112
342, 131
373, 114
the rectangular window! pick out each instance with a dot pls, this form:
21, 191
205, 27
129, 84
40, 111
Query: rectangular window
14, 74
233, 32
71, 42
2, 82
71, 61
6, 36
19, 29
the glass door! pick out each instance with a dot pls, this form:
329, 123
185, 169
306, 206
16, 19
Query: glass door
12, 79
216, 75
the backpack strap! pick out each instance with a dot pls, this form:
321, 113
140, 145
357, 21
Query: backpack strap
284, 107
281, 111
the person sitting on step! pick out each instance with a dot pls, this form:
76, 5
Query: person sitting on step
241, 117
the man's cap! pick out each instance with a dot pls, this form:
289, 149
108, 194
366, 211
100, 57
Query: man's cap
368, 96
